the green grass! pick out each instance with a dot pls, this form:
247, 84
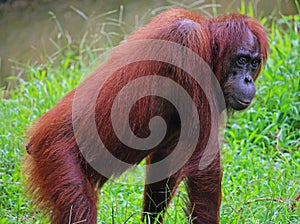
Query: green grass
261, 155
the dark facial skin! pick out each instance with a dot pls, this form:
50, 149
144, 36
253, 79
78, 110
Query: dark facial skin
239, 89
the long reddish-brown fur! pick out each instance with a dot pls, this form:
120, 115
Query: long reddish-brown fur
60, 178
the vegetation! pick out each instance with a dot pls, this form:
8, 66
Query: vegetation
261, 156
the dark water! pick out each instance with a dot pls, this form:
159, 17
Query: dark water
27, 30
